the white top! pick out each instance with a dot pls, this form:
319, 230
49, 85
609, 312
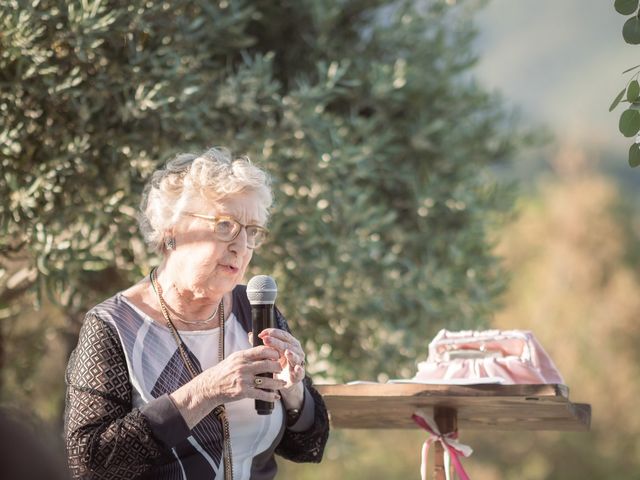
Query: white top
149, 359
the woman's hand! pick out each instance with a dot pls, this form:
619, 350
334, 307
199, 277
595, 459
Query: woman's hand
230, 380
234, 377
292, 362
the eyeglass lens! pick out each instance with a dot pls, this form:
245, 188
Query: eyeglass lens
228, 229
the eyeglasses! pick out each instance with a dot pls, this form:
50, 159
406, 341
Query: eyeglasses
227, 229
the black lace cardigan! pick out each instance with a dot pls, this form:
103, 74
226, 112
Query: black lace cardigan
107, 438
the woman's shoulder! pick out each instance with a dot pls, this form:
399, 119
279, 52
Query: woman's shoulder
108, 307
116, 311
240, 290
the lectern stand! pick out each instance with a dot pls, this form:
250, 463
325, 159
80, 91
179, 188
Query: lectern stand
477, 407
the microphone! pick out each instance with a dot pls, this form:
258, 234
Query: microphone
262, 291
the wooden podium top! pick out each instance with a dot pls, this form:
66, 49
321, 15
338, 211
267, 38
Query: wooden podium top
479, 407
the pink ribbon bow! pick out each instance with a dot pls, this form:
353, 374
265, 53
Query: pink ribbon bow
449, 442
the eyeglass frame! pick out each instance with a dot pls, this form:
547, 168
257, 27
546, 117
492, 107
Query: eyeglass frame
215, 221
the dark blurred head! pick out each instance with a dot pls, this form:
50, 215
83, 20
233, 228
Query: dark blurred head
27, 451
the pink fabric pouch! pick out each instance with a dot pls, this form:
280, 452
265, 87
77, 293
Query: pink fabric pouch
489, 356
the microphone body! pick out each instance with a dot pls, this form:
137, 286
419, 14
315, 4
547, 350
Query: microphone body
261, 292
262, 317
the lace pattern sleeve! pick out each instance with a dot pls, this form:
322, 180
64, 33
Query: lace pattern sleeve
307, 446
105, 437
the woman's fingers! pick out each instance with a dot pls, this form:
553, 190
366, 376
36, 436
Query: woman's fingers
265, 395
297, 373
279, 337
294, 358
276, 343
268, 383
265, 388
281, 357
292, 355
284, 342
263, 352
264, 366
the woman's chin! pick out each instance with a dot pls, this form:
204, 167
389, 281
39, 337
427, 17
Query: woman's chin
223, 282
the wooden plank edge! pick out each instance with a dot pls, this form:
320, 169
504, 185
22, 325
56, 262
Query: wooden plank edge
435, 390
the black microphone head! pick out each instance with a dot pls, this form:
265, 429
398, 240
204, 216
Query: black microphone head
262, 290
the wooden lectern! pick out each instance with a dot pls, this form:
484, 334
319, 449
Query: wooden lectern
479, 407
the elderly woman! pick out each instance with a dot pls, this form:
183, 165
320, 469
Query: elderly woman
163, 380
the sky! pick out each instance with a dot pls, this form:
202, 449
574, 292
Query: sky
560, 62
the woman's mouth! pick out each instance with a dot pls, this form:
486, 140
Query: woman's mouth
228, 268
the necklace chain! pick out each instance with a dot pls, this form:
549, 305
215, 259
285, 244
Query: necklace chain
193, 322
176, 315
220, 411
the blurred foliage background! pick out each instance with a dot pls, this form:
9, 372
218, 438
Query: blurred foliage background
394, 202
572, 254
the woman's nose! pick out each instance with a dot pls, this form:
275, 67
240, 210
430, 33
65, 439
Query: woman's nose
239, 244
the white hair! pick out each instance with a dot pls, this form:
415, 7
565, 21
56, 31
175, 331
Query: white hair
212, 175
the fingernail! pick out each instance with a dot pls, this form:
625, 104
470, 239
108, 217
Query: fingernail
277, 397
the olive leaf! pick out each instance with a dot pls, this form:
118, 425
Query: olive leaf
634, 155
626, 7
629, 122
633, 91
617, 100
631, 31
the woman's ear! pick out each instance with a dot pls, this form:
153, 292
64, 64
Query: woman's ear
170, 243
169, 240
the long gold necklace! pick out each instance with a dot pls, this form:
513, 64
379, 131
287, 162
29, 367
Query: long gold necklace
220, 412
